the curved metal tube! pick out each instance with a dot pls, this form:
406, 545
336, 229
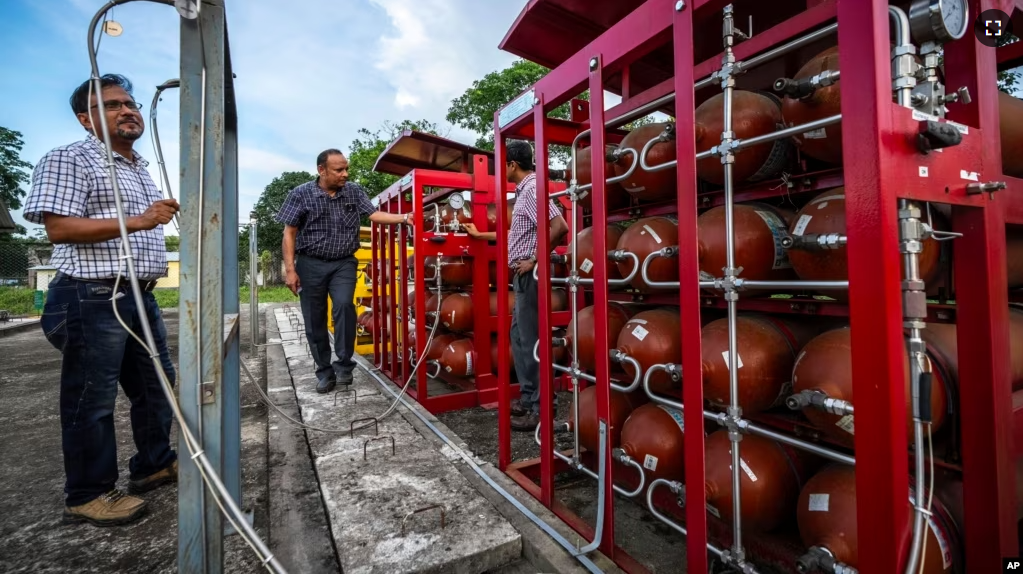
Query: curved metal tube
621, 357
154, 135
617, 255
676, 488
436, 373
643, 156
614, 179
666, 252
901, 30
575, 464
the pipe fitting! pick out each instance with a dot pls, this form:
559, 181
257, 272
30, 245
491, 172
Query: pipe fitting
820, 401
814, 241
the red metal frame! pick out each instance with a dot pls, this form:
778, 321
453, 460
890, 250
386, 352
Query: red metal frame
880, 142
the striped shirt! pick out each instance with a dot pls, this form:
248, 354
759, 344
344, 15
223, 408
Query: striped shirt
328, 226
73, 181
522, 234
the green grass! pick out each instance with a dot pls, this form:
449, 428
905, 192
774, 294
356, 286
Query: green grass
21, 301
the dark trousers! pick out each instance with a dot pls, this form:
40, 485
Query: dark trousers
524, 336
78, 319
337, 279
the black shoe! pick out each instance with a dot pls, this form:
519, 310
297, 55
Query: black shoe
326, 385
345, 378
526, 423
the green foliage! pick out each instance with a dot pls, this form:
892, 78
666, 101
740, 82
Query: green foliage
368, 146
474, 110
270, 232
18, 300
1009, 80
168, 298
13, 172
173, 242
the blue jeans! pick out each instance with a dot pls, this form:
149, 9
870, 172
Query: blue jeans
78, 319
523, 335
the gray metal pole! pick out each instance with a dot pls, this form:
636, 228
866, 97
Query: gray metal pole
254, 296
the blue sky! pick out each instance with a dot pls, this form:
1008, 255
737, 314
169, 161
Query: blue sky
311, 73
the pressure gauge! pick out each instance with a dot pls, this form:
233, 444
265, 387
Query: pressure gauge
938, 20
456, 201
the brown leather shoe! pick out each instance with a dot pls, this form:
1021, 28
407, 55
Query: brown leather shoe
526, 423
155, 480
110, 509
517, 408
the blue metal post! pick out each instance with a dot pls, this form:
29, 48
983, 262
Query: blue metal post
208, 355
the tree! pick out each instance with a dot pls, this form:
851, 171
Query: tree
474, 110
368, 146
12, 172
270, 232
172, 242
1009, 79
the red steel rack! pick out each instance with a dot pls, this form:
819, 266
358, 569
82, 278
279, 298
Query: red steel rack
653, 56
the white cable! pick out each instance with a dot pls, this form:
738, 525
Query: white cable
208, 474
931, 494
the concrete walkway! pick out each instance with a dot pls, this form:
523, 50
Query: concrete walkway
370, 499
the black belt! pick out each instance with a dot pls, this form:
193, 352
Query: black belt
123, 282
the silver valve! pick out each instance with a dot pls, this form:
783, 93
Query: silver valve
963, 96
988, 187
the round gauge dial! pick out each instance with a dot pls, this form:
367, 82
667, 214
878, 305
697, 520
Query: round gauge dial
456, 201
938, 20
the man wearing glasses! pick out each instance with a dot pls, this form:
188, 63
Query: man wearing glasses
72, 196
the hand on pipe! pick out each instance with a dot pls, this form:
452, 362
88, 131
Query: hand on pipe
159, 213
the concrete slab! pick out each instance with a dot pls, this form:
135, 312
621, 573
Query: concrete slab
367, 500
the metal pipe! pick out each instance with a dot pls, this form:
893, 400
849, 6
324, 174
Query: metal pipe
665, 252
620, 357
157, 148
468, 459
254, 296
903, 80
617, 255
602, 476
816, 285
788, 47
676, 489
575, 464
614, 179
820, 401
738, 145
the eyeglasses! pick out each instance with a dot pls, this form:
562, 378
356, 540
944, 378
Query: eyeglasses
116, 106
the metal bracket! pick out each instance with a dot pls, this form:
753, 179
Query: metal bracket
424, 509
207, 393
368, 441
352, 430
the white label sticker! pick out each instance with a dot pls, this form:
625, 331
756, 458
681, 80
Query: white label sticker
921, 116
823, 205
818, 503
846, 423
469, 364
638, 321
778, 228
653, 234
801, 224
636, 189
640, 332
959, 127
739, 360
676, 415
583, 194
947, 553
746, 469
818, 134
587, 265
448, 368
969, 175
922, 171
713, 511
651, 463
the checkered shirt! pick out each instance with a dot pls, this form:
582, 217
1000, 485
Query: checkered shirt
73, 181
328, 226
522, 234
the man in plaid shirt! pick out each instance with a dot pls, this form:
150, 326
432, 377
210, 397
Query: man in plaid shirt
73, 197
321, 236
522, 256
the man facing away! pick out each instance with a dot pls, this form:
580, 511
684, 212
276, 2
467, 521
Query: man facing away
522, 256
321, 236
72, 196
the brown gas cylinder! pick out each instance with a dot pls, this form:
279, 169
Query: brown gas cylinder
1011, 118
458, 358
653, 436
492, 273
559, 299
827, 517
648, 185
767, 347
492, 214
1014, 257
753, 114
619, 408
617, 317
758, 232
769, 483
942, 346
493, 303
825, 364
437, 344
365, 320
455, 271
457, 312
585, 251
494, 355
643, 238
449, 215
826, 214
615, 196
825, 144
653, 337
433, 305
